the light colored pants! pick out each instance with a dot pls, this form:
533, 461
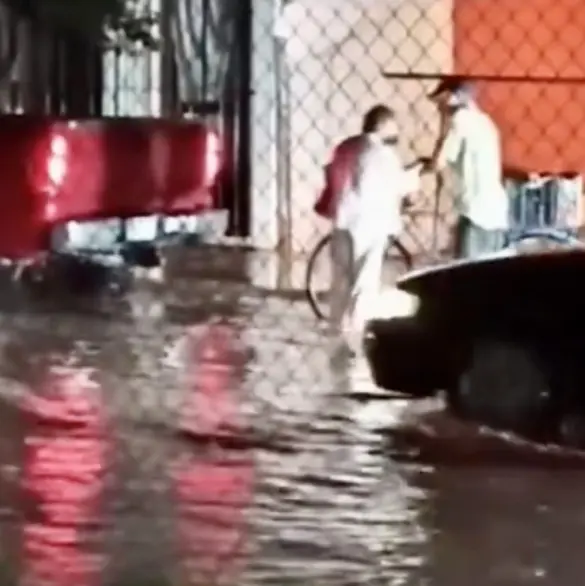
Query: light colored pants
356, 280
472, 241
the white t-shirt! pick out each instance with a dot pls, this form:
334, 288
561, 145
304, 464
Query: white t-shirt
472, 149
370, 207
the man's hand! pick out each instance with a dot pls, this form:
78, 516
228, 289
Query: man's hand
417, 166
406, 204
426, 164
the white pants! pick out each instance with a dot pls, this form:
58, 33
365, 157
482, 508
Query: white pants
356, 279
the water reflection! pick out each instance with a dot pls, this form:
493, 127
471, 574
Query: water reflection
340, 486
213, 497
213, 479
62, 479
214, 360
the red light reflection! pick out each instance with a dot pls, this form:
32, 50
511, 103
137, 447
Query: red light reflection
63, 478
212, 407
214, 490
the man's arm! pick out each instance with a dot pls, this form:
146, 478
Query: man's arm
405, 180
380, 175
448, 146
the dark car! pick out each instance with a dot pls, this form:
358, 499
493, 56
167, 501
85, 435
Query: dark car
502, 336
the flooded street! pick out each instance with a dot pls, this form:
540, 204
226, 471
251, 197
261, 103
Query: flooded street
211, 436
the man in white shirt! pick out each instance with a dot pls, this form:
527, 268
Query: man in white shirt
368, 213
470, 145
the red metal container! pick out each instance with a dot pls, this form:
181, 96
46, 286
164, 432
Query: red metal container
56, 170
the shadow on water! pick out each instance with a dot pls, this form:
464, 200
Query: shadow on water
436, 437
212, 436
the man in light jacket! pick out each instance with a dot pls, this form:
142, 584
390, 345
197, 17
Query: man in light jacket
469, 144
367, 213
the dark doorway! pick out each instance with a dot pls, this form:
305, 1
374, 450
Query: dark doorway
209, 76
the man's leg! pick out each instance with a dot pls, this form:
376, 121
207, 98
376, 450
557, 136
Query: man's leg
341, 277
472, 241
477, 241
496, 240
367, 284
462, 238
483, 242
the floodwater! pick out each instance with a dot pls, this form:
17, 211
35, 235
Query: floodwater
206, 432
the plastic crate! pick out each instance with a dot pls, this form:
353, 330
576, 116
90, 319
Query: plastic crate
551, 202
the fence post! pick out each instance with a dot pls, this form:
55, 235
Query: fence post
264, 192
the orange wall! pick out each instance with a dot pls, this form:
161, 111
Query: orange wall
543, 124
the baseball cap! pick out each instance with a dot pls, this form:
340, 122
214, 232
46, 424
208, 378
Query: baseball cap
459, 89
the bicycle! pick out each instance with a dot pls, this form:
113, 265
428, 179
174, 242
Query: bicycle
317, 288
529, 223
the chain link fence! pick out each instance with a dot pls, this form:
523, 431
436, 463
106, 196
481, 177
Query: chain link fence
334, 61
224, 416
336, 55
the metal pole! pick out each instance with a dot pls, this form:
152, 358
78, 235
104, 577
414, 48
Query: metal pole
527, 78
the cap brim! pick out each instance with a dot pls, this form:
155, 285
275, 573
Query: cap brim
441, 88
449, 84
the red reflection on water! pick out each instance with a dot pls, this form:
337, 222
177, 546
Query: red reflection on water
213, 361
63, 478
213, 499
215, 489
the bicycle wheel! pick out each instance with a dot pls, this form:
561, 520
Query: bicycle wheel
319, 274
318, 278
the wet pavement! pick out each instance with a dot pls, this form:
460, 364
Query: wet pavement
204, 431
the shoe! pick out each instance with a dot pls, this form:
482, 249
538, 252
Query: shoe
341, 354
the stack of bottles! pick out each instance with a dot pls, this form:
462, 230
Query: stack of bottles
543, 201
